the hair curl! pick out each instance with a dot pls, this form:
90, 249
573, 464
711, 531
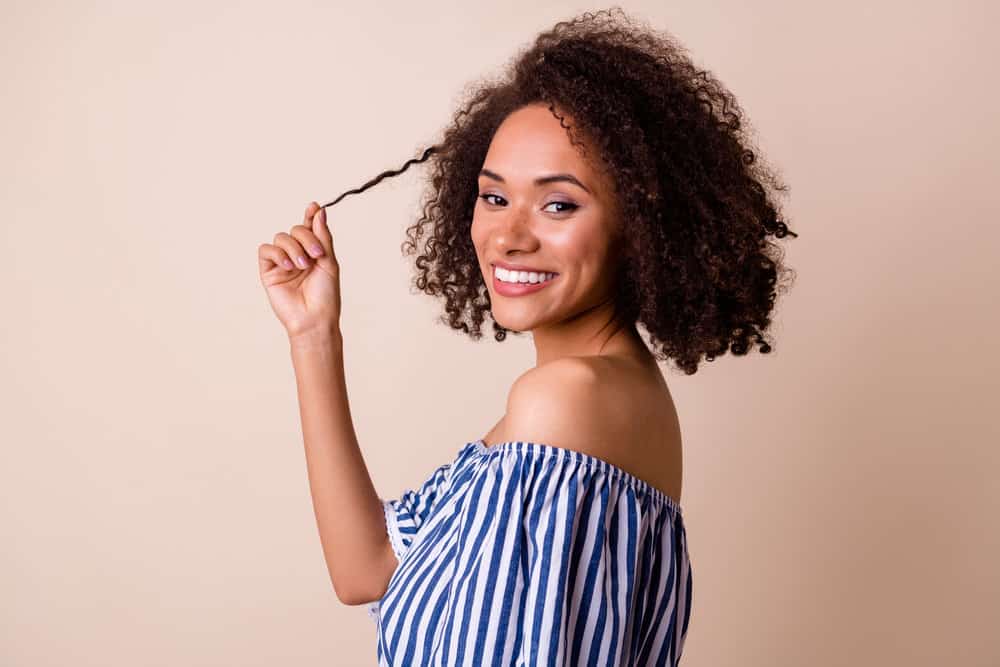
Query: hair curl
700, 274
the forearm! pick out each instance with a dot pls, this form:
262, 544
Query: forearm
348, 512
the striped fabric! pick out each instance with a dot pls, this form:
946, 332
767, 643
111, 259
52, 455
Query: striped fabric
524, 553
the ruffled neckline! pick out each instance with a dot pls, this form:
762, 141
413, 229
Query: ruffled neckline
526, 446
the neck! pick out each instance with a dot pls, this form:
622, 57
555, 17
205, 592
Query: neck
594, 331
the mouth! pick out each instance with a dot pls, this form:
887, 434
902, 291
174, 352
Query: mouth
520, 283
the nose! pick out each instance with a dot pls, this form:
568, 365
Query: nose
514, 233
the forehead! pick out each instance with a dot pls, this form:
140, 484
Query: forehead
531, 141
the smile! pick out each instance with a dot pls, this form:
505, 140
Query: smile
519, 283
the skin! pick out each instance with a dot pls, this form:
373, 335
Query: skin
595, 386
519, 223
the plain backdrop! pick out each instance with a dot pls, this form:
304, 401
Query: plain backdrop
840, 494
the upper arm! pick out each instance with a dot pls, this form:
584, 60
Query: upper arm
559, 403
404, 517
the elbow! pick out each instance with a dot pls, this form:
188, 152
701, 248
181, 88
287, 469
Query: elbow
355, 590
345, 589
352, 589
353, 596
348, 595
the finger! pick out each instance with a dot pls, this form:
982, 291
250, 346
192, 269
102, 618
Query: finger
322, 231
308, 239
294, 249
270, 256
310, 212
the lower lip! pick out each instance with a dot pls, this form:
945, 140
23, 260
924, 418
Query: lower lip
519, 289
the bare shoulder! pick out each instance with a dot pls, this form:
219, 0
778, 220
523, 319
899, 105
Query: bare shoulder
601, 407
582, 403
558, 403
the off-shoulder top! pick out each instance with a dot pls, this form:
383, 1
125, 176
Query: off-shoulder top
524, 553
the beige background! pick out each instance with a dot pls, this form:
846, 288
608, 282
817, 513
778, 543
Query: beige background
840, 494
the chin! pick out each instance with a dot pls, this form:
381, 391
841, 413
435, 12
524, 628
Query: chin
514, 322
512, 325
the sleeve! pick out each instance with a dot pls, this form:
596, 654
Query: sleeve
405, 515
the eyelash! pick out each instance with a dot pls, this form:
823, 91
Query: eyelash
572, 206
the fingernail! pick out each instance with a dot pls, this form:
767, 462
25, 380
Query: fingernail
287, 263
315, 251
302, 262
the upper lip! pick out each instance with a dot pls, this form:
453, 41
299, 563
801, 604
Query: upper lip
519, 267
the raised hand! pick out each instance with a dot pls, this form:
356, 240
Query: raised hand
301, 276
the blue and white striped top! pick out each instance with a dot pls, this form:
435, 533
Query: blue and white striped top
524, 553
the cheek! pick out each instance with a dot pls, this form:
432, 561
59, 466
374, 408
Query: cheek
580, 247
480, 243
588, 255
477, 235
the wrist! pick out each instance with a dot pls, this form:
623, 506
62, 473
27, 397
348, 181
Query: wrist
317, 339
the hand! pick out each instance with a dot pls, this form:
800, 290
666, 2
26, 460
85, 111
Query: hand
306, 299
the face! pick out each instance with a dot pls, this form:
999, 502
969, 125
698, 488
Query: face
524, 221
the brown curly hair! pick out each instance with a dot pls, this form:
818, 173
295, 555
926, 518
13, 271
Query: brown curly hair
700, 274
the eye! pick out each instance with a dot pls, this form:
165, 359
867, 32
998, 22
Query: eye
484, 198
571, 205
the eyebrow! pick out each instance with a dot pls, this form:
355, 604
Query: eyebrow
553, 178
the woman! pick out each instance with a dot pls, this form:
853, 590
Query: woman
605, 182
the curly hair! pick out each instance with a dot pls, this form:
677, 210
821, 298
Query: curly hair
700, 274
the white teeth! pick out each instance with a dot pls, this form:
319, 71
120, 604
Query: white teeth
522, 276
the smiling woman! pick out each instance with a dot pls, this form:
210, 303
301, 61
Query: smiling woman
603, 184
635, 137
521, 230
